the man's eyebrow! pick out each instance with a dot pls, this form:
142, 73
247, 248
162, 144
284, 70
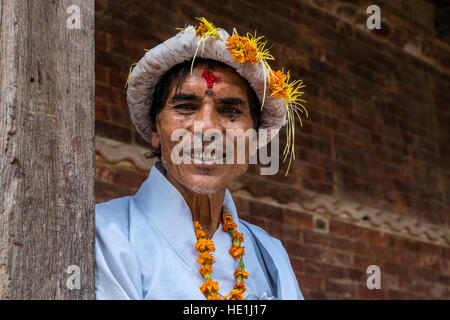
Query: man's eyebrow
184, 96
232, 101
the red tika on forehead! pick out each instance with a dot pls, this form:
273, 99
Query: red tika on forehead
210, 78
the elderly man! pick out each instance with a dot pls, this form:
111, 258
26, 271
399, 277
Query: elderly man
180, 236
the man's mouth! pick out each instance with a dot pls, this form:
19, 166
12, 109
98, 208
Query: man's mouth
204, 157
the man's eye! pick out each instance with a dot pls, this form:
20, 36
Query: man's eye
186, 107
230, 110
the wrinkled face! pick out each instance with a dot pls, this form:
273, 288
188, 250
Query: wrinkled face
218, 100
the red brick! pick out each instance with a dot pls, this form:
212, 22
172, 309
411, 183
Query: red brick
409, 257
300, 250
444, 280
402, 295
315, 173
298, 265
310, 282
118, 80
256, 221
242, 205
101, 110
112, 131
373, 236
343, 290
313, 295
344, 229
123, 46
265, 211
105, 191
364, 293
285, 231
101, 40
320, 187
314, 267
380, 254
120, 113
101, 6
336, 258
128, 178
106, 94
297, 219
101, 74
395, 269
362, 263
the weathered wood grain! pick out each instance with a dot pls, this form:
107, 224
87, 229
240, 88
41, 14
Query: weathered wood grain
46, 149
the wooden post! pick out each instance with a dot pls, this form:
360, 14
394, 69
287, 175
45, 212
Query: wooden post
47, 149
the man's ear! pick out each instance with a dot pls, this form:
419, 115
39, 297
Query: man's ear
156, 142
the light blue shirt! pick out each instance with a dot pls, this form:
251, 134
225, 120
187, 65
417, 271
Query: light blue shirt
145, 249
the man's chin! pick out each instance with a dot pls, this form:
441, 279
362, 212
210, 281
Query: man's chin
203, 189
207, 185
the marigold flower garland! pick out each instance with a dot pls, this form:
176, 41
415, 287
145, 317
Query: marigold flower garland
205, 246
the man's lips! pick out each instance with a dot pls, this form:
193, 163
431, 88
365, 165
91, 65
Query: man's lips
205, 157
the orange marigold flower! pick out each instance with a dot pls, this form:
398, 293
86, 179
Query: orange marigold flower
209, 286
204, 256
234, 295
277, 85
201, 29
204, 269
226, 217
251, 54
200, 234
239, 236
236, 252
238, 56
239, 272
205, 245
240, 286
239, 47
197, 225
242, 49
229, 225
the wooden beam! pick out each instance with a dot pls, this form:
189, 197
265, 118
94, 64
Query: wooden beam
46, 150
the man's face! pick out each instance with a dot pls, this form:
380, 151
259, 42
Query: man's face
221, 104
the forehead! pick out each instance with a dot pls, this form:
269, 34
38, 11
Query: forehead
229, 79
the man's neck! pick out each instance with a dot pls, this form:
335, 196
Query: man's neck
205, 208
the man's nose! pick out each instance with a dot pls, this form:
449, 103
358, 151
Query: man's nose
208, 116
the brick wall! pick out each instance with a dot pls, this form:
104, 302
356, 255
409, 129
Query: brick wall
373, 158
